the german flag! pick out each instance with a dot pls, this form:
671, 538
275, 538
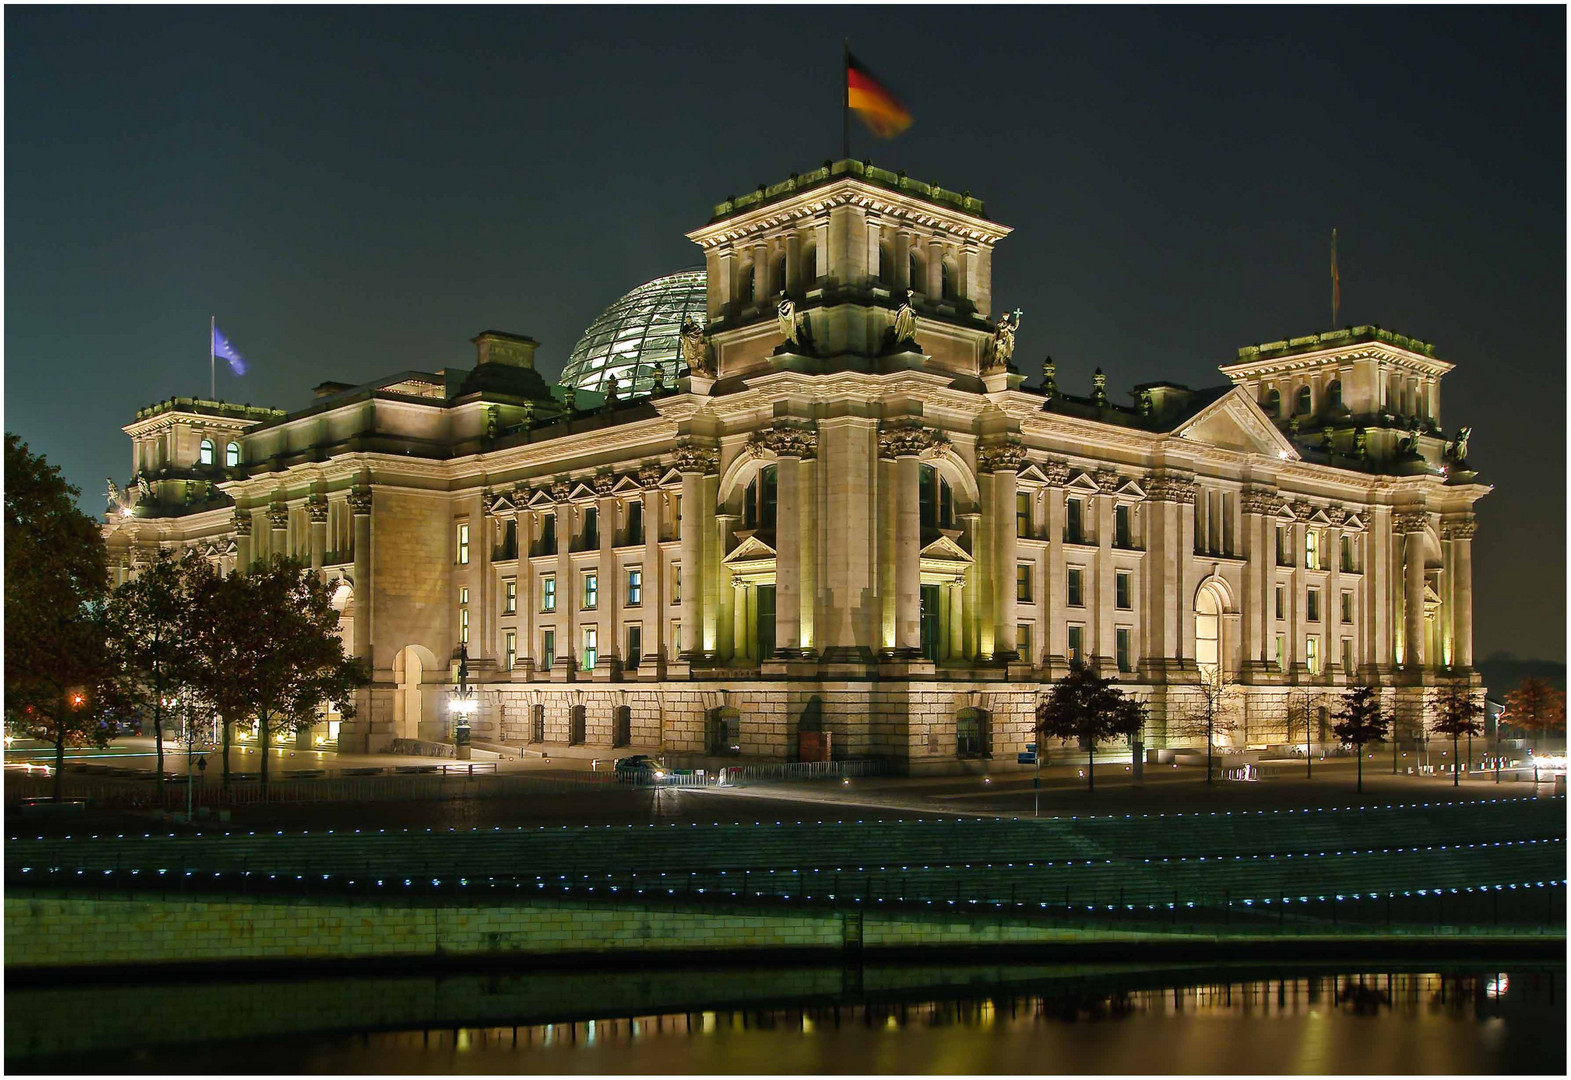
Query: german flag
883, 115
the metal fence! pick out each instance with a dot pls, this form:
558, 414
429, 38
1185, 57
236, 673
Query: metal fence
804, 770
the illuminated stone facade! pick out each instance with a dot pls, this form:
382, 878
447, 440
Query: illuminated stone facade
897, 541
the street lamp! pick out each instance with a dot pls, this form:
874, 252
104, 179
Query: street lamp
462, 705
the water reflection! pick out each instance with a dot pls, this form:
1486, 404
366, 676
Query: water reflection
1083, 1020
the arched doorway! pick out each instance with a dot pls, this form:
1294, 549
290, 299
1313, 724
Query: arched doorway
973, 739
1208, 634
409, 668
725, 731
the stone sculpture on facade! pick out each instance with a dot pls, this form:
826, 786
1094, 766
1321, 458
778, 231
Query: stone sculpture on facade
1456, 450
904, 330
1004, 340
785, 312
695, 349
1049, 378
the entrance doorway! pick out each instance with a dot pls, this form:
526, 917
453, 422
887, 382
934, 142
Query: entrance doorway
766, 621
930, 622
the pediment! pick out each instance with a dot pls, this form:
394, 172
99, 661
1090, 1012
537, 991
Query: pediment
541, 500
1234, 422
627, 485
502, 503
1083, 481
582, 490
943, 549
1131, 489
1031, 472
751, 549
1353, 522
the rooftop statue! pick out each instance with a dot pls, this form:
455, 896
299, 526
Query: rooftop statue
695, 349
785, 311
905, 321
1457, 450
1004, 339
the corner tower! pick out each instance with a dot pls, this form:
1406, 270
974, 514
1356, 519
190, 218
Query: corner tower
844, 243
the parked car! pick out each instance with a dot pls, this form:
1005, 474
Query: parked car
640, 769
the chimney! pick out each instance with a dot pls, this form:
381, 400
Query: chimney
500, 347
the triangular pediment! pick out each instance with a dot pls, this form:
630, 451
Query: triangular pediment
1234, 422
944, 549
627, 485
1083, 481
541, 500
751, 549
1031, 472
1353, 522
582, 491
1131, 489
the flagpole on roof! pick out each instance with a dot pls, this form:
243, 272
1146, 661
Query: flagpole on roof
212, 362
845, 101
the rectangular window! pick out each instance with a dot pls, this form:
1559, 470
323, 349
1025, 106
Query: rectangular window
463, 543
547, 592
591, 529
1076, 587
1347, 656
1023, 643
1281, 650
1347, 553
1281, 602
463, 594
510, 596
1347, 605
537, 724
1121, 526
591, 647
676, 583
1074, 529
510, 649
1281, 546
463, 625
1023, 582
1077, 636
1312, 549
1312, 653
1121, 589
635, 522
676, 637
548, 534
1121, 645
635, 646
547, 648
1312, 604
1022, 513
591, 591
635, 588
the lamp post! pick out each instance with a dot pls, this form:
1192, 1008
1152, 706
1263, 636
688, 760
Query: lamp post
462, 705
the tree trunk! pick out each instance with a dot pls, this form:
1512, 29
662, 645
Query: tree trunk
59, 760
1091, 767
224, 736
263, 736
158, 736
1360, 749
1456, 765
1210, 740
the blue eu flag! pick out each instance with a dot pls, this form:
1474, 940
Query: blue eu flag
221, 347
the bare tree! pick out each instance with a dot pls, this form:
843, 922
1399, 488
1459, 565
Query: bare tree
1209, 710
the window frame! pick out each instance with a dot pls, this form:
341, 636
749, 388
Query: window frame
589, 590
547, 593
635, 587
510, 596
1123, 649
462, 543
1124, 581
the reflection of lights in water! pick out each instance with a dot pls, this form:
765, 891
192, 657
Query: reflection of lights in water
462, 1042
590, 1041
1496, 986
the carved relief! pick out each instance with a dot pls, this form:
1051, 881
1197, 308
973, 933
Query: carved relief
1410, 522
1459, 528
561, 490
1056, 473
1261, 501
1006, 456
691, 457
784, 440
278, 515
649, 474
910, 439
1336, 515
604, 482
1107, 480
316, 506
360, 500
1302, 509
242, 523
1170, 487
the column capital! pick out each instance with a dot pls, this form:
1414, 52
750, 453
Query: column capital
1410, 522
360, 501
1302, 509
1107, 480
1002, 455
694, 457
278, 515
649, 475
1056, 473
1261, 501
1461, 528
1336, 515
909, 438
1170, 487
316, 506
603, 483
241, 522
561, 491
784, 440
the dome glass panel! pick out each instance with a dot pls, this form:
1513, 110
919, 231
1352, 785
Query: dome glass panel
637, 334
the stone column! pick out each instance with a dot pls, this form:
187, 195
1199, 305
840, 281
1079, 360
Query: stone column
1460, 532
793, 266
654, 578
1003, 459
762, 272
316, 506
1161, 571
610, 587
693, 461
957, 616
1102, 649
567, 589
1412, 526
790, 445
730, 633
738, 624
278, 538
806, 533
1259, 507
935, 268
848, 451
1298, 590
528, 617
1055, 587
974, 602
906, 446
1331, 617
360, 507
902, 273
1379, 602
242, 527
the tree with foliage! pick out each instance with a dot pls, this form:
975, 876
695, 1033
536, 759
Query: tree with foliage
269, 650
57, 670
1360, 721
1088, 709
1457, 713
151, 621
1535, 707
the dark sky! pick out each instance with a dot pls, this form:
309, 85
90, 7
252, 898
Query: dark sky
354, 192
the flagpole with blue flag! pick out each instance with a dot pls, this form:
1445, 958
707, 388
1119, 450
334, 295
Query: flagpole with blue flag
212, 357
218, 345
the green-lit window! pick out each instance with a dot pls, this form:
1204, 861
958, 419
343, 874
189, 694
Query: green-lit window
591, 591
1121, 639
635, 588
547, 592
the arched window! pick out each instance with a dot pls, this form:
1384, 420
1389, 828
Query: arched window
886, 265
232, 455
1306, 401
760, 499
745, 284
1208, 634
972, 737
946, 281
1334, 396
1273, 402
780, 273
913, 272
204, 456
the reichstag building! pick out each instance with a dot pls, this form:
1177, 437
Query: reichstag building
804, 501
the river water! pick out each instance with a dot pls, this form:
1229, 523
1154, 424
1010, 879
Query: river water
937, 1019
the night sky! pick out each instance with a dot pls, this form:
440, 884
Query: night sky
356, 192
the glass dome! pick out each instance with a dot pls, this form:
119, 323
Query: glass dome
638, 333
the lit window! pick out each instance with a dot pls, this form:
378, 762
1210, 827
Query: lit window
463, 625
676, 583
509, 596
1347, 606
1074, 528
1023, 643
1312, 549
1281, 650
463, 543
537, 723
635, 588
1077, 636
1121, 638
1121, 589
1076, 587
463, 594
591, 647
1281, 602
1023, 582
1281, 547
205, 455
591, 591
1312, 653
548, 592
635, 646
510, 648
232, 454
547, 649
1022, 513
